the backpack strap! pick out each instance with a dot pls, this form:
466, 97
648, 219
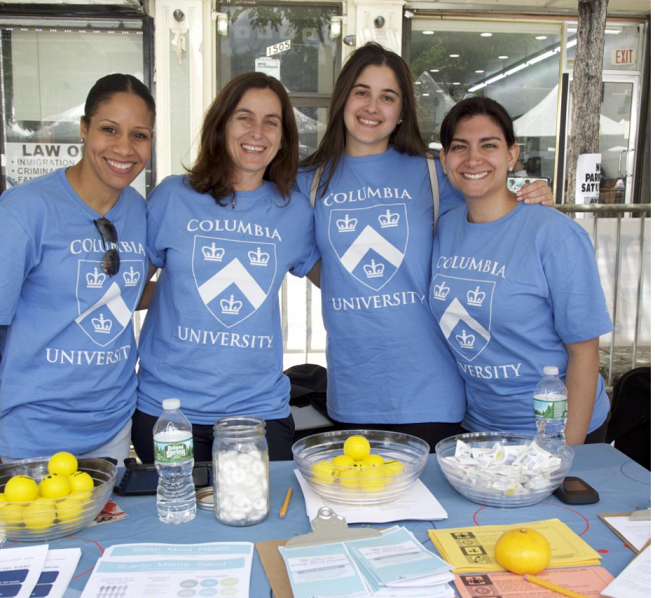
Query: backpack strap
318, 173
434, 185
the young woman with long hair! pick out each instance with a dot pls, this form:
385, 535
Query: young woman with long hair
224, 237
388, 366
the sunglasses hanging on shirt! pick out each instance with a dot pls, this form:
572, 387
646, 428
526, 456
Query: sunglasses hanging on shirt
111, 261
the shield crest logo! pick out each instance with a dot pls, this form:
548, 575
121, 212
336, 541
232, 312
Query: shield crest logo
105, 304
370, 242
233, 277
464, 308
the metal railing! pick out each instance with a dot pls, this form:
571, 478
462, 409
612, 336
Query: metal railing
617, 211
302, 303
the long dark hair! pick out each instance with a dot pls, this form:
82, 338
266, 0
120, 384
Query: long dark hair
406, 138
476, 107
214, 169
105, 88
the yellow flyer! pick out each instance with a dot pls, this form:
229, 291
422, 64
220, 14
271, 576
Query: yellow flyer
471, 549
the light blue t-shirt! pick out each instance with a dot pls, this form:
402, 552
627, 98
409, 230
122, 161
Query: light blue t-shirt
212, 336
67, 376
387, 362
508, 295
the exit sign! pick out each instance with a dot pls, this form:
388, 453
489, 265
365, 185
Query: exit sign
624, 57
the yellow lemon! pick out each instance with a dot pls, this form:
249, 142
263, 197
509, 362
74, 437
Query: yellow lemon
356, 447
522, 550
349, 478
372, 479
79, 482
62, 463
21, 488
70, 509
54, 485
343, 461
324, 472
12, 514
359, 465
2, 497
373, 460
393, 468
39, 514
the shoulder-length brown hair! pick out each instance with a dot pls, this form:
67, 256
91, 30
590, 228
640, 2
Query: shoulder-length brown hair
406, 138
214, 169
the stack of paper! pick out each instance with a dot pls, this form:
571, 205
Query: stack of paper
417, 503
393, 565
173, 570
471, 549
634, 580
37, 571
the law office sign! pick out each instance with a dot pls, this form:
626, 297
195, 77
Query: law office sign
26, 161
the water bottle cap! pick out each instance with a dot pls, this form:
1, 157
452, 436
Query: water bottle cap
171, 404
551, 370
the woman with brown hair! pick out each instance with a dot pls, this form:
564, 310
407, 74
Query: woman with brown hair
224, 237
388, 366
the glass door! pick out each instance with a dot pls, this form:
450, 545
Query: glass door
618, 137
293, 42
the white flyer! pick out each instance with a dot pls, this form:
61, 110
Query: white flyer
418, 503
172, 570
20, 569
57, 572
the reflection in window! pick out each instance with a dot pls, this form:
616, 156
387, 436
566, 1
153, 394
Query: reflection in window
518, 70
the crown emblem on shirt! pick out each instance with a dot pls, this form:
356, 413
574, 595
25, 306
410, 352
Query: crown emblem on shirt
231, 307
212, 253
259, 257
387, 220
475, 297
374, 270
441, 291
101, 325
95, 279
465, 340
347, 224
132, 277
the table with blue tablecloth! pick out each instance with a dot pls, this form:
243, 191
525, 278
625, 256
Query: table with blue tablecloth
623, 485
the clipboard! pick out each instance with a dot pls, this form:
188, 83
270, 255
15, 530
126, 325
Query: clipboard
608, 524
328, 528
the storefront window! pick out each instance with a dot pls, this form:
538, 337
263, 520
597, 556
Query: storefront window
292, 43
515, 63
46, 72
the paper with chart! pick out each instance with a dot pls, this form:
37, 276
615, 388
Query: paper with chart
172, 571
20, 569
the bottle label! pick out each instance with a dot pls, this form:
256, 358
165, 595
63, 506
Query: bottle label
549, 408
174, 452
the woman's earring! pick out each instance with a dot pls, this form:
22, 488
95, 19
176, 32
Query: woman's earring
511, 167
444, 171
401, 120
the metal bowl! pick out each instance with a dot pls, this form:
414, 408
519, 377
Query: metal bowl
71, 516
356, 487
477, 483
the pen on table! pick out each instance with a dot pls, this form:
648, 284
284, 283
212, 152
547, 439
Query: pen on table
551, 586
285, 504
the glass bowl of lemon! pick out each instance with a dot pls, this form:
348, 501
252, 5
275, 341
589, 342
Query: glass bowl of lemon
360, 467
44, 499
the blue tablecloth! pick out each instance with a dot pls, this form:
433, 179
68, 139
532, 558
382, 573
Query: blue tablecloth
623, 486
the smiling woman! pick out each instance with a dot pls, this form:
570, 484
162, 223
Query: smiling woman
224, 238
75, 241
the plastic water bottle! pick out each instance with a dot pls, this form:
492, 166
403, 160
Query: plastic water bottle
550, 401
176, 494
